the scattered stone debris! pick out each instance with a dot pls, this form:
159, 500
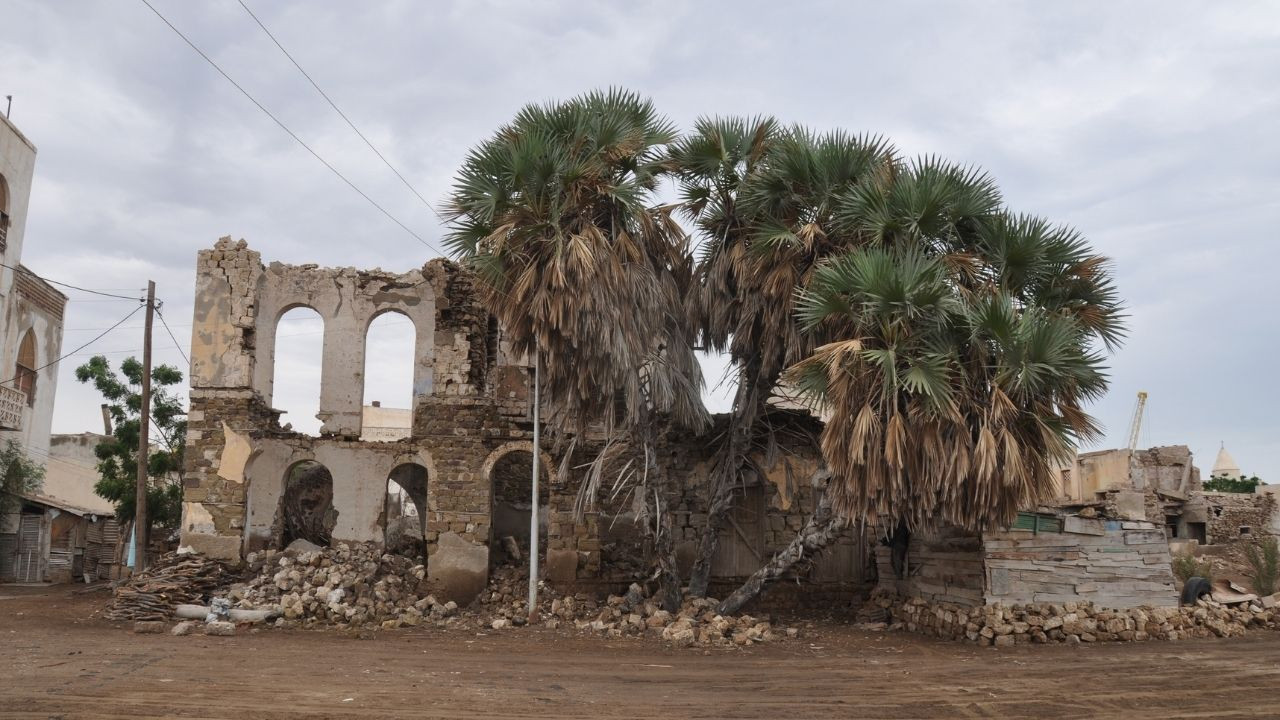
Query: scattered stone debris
1073, 622
174, 578
354, 586
505, 605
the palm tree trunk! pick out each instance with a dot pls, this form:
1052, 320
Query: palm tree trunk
748, 405
669, 575
821, 529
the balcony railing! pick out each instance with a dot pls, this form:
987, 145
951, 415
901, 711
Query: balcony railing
11, 404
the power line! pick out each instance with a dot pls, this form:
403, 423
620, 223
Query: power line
338, 110
73, 352
28, 271
171, 337
284, 127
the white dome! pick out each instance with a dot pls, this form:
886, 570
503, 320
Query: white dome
1225, 465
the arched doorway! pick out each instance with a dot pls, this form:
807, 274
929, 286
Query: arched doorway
405, 511
512, 483
306, 505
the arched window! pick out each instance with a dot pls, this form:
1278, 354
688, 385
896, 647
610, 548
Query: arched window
388, 378
295, 386
25, 372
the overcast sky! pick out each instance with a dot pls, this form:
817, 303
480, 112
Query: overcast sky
1151, 127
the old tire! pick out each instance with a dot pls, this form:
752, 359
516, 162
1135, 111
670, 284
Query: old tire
1195, 588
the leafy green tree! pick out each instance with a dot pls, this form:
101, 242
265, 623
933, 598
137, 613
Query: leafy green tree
557, 216
117, 455
18, 475
1222, 483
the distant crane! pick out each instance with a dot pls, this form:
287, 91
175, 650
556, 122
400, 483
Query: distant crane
1136, 425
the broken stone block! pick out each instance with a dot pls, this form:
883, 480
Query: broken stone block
220, 628
561, 566
459, 568
148, 627
183, 628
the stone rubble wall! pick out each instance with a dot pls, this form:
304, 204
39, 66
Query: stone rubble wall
1108, 562
945, 565
1071, 622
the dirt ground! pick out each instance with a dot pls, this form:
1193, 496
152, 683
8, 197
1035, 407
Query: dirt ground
60, 662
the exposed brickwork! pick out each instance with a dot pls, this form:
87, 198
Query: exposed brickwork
31, 288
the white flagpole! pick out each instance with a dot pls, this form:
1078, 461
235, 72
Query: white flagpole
533, 515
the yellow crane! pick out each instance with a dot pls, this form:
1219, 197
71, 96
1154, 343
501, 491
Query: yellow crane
1136, 425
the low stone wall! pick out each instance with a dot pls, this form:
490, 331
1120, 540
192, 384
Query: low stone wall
1071, 622
1111, 563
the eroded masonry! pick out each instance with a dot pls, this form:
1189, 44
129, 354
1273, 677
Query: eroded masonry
462, 470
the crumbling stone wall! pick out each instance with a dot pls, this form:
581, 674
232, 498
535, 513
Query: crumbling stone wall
471, 407
1111, 563
607, 547
239, 456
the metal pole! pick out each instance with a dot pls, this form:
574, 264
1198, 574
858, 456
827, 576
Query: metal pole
144, 444
533, 515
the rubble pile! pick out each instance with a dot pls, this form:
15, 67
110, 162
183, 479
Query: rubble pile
359, 586
1071, 622
350, 585
173, 579
505, 604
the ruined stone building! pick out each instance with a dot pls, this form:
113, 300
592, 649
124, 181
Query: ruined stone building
1109, 538
462, 454
31, 312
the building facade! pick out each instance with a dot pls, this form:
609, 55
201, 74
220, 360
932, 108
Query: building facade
462, 453
31, 317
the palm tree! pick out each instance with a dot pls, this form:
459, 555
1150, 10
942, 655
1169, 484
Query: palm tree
765, 201
957, 348
557, 217
953, 401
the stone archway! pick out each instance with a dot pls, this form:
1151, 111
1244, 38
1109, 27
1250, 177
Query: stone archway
507, 472
306, 510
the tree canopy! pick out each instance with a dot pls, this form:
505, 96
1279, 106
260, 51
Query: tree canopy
117, 455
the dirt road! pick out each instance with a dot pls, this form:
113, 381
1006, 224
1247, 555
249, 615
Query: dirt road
58, 662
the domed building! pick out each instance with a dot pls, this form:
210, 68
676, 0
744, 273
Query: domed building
1225, 465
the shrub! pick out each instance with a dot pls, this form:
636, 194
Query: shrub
1264, 565
1187, 566
1222, 483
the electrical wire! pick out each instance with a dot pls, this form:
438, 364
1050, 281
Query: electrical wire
174, 339
284, 127
73, 352
28, 271
338, 110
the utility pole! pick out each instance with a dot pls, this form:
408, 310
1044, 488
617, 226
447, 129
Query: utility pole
144, 443
533, 514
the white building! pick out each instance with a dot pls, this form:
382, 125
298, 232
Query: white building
30, 310
38, 533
